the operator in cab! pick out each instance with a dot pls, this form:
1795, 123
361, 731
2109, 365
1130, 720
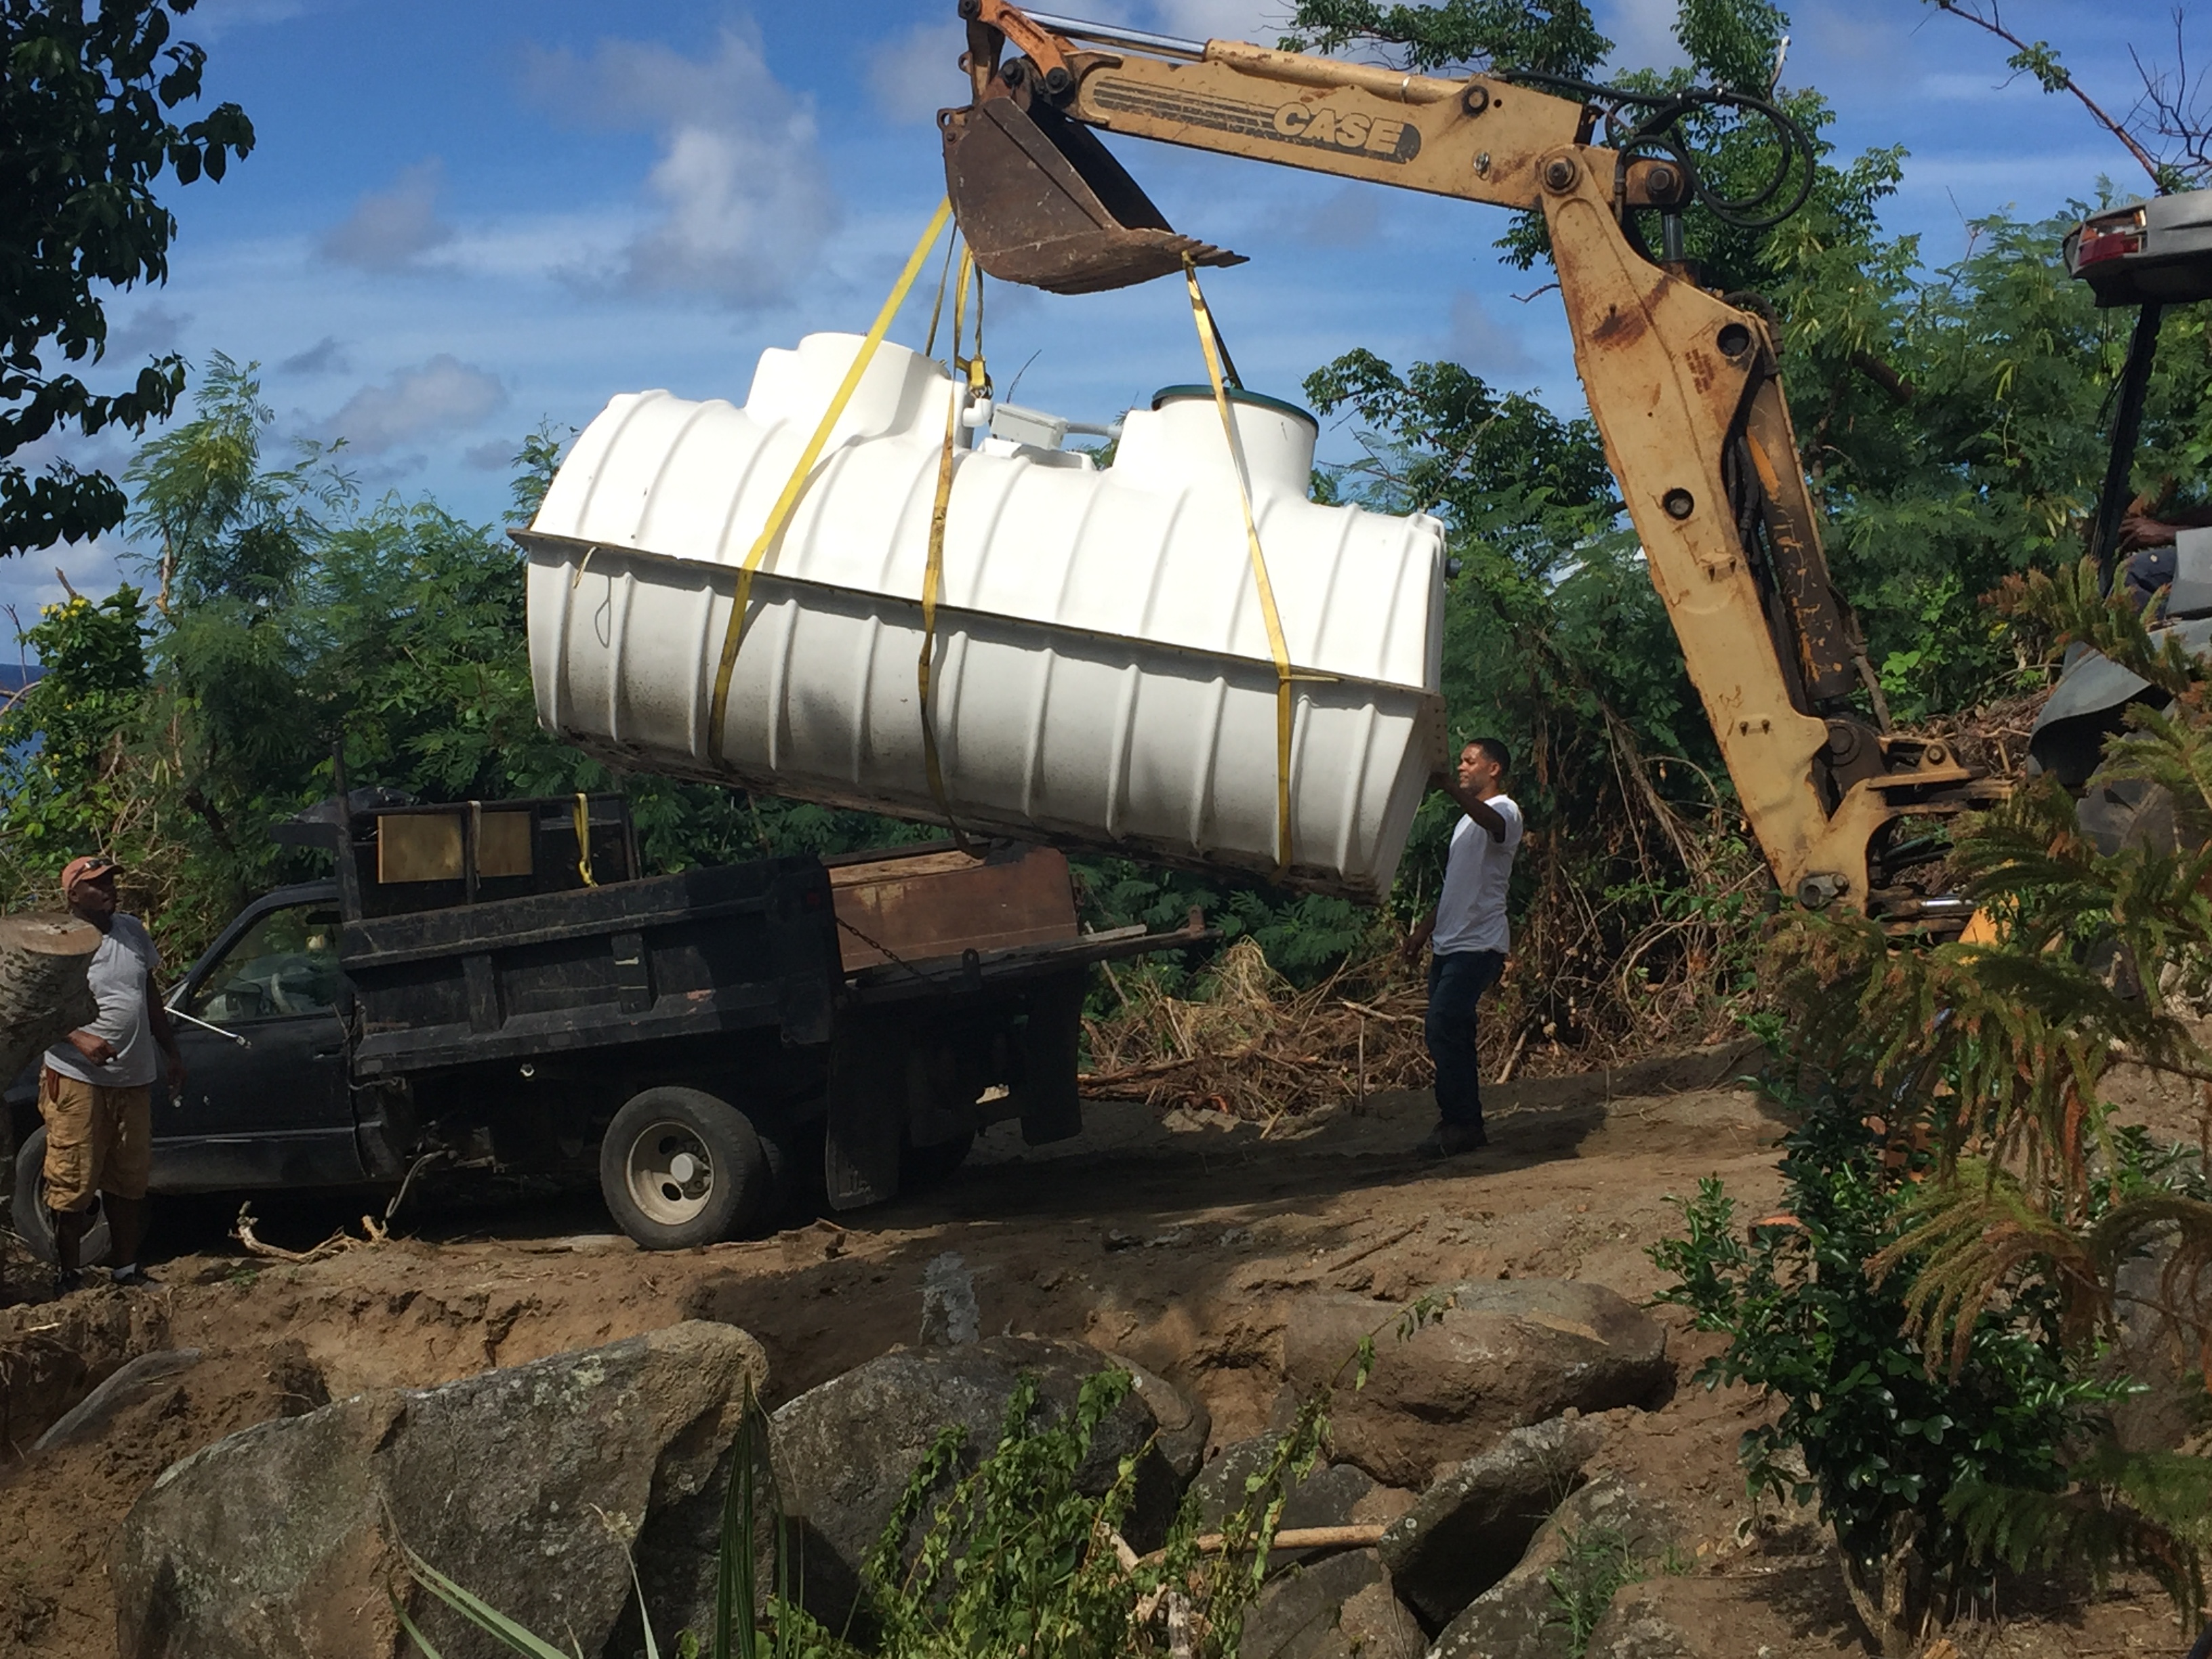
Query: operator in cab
1468, 938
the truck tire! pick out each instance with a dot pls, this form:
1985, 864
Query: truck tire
924, 1167
680, 1167
30, 1220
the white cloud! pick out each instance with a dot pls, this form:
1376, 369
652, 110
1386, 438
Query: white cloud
745, 204
495, 455
917, 74
391, 229
30, 581
1479, 341
442, 395
326, 356
150, 331
1642, 32
1263, 21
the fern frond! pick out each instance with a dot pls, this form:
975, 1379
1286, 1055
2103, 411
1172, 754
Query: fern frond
2150, 1511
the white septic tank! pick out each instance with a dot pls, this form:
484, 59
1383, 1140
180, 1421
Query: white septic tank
1101, 674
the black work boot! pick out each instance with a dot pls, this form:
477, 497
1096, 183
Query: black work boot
1451, 1140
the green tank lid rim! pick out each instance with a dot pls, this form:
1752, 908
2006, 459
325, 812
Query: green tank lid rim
1176, 394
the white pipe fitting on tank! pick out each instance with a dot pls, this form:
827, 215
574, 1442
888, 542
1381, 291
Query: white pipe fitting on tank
1101, 677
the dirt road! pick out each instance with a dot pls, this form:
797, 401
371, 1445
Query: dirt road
1179, 1243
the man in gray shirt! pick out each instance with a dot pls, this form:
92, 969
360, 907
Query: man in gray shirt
1470, 938
95, 1091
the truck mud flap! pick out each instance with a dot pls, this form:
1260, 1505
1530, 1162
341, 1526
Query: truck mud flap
1051, 1109
867, 1114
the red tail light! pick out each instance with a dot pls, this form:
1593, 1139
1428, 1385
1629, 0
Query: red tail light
2114, 237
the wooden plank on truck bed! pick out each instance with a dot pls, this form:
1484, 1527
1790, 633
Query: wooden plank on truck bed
934, 902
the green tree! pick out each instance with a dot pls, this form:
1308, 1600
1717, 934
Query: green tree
65, 740
85, 106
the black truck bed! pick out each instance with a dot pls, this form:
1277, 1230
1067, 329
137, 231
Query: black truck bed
718, 950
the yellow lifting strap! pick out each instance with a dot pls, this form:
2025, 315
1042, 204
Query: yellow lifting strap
584, 838
933, 577
780, 515
1277, 647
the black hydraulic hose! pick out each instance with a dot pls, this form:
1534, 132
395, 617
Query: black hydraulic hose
1658, 127
2127, 427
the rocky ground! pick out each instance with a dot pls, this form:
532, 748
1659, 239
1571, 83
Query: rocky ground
1195, 1246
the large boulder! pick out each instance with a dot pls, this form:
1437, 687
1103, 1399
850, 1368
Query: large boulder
1329, 1496
845, 1451
1608, 1522
1470, 1528
1505, 1353
1337, 1607
528, 1485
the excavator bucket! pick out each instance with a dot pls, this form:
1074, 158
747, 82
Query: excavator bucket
1042, 203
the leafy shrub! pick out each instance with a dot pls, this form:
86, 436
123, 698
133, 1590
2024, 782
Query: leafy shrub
1886, 1435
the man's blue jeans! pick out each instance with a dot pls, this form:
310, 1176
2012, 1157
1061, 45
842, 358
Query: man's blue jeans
1456, 983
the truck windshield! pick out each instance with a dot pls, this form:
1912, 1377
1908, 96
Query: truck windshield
286, 963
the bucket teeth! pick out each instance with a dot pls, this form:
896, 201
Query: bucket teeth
1043, 203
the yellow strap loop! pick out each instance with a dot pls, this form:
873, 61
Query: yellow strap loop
932, 575
780, 515
1277, 647
584, 838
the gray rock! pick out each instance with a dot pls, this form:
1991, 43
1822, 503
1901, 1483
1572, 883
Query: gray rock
1471, 1529
1639, 1626
1326, 1498
1506, 1354
845, 1451
1184, 1424
1297, 1615
949, 1315
1374, 1625
1522, 1615
527, 1486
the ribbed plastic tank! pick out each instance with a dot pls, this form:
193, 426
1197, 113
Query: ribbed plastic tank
1102, 675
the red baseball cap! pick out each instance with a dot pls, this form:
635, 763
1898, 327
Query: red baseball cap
92, 867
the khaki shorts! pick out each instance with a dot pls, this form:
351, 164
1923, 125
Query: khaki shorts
98, 1140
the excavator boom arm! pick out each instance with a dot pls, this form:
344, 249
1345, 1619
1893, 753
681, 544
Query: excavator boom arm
1684, 386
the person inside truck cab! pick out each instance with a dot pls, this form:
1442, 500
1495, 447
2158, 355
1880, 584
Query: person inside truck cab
95, 1089
2157, 541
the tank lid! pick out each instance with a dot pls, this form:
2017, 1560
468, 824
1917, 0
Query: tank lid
1176, 394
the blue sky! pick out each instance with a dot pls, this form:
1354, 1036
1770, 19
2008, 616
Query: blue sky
463, 218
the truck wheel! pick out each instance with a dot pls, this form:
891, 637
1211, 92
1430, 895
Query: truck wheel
679, 1168
32, 1224
929, 1166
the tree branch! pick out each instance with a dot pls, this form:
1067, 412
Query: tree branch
2061, 78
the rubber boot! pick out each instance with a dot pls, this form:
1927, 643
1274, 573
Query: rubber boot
68, 1227
126, 1232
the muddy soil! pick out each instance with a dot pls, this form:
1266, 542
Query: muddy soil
1178, 1242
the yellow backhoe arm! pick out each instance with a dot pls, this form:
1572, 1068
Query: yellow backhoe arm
1684, 385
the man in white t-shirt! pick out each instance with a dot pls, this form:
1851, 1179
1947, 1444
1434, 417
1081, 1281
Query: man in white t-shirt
1469, 937
95, 1089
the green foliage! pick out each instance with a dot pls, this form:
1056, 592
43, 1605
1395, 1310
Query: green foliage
85, 104
1884, 1437
1556, 37
2119, 1508
1598, 1562
1969, 1303
64, 738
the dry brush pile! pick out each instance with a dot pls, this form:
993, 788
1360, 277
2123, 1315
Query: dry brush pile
1633, 934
